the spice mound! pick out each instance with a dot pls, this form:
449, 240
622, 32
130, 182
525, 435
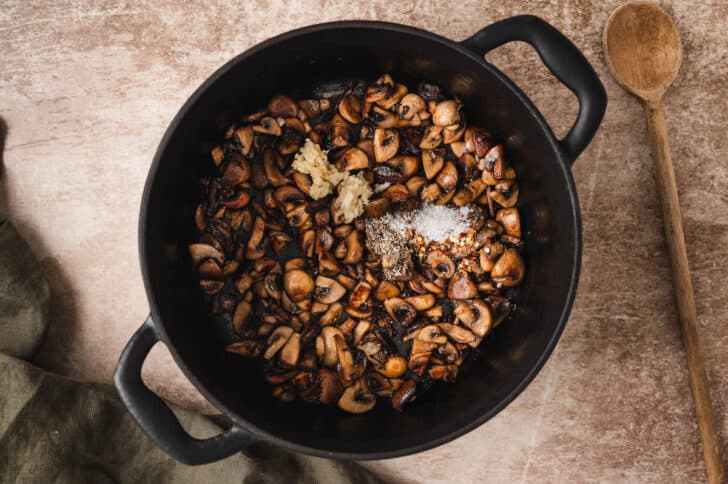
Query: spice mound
358, 247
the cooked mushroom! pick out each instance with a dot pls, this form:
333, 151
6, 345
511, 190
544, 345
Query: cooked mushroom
396, 193
257, 243
329, 384
357, 398
509, 269
282, 106
350, 367
431, 138
418, 362
346, 281
272, 172
211, 287
350, 108
200, 252
284, 393
376, 207
454, 133
354, 248
287, 193
386, 144
332, 314
237, 170
218, 154
394, 367
432, 162
503, 200
415, 184
241, 316
268, 125
386, 290
291, 351
407, 165
403, 395
477, 141
380, 89
361, 329
311, 107
393, 97
352, 159
329, 356
476, 315
448, 176
277, 339
457, 333
400, 310
461, 287
446, 373
250, 348
421, 302
244, 136
358, 304
298, 284
447, 113
382, 118
328, 290
431, 334
431, 192
327, 264
410, 105
511, 221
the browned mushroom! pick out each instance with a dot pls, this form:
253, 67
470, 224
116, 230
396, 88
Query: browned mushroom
407, 165
291, 351
509, 269
431, 138
446, 373
431, 192
382, 118
447, 113
461, 287
285, 393
452, 134
448, 176
211, 287
511, 221
415, 184
457, 333
362, 328
386, 144
328, 290
400, 310
330, 386
352, 159
287, 193
380, 89
241, 316
358, 305
218, 154
257, 242
244, 136
277, 340
410, 105
332, 315
394, 96
354, 248
298, 284
357, 398
351, 367
432, 162
503, 200
282, 106
268, 125
386, 290
431, 334
350, 108
311, 107
396, 193
250, 348
477, 141
346, 281
328, 354
237, 170
404, 395
272, 172
421, 302
200, 252
376, 207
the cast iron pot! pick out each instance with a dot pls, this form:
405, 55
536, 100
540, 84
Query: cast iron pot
298, 63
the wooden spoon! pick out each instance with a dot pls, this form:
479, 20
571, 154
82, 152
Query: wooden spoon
643, 53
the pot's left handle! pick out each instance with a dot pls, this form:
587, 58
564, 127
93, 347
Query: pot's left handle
156, 418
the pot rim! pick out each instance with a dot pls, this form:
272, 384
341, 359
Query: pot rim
564, 165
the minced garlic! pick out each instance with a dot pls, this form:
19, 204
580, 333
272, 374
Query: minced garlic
354, 194
312, 160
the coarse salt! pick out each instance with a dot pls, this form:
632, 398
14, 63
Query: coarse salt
435, 223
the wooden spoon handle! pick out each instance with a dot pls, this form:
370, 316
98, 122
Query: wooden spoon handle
683, 288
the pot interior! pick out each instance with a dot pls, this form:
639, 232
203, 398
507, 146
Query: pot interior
298, 64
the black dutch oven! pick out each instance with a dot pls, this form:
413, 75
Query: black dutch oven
298, 63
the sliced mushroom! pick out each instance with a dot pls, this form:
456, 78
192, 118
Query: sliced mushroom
327, 290
249, 348
272, 172
386, 144
362, 328
454, 133
509, 269
218, 154
458, 148
407, 165
379, 384
211, 287
394, 96
396, 193
295, 263
311, 107
446, 373
298, 284
431, 334
476, 315
386, 290
477, 141
285, 393
350, 108
358, 305
237, 170
354, 248
503, 200
431, 192
457, 333
421, 302
329, 384
352, 159
350, 367
432, 162
200, 252
447, 113
282, 106
346, 281
241, 316
291, 351
257, 243
286, 194
327, 264
415, 184
357, 398
418, 362
511, 221
431, 138
461, 287
268, 125
328, 345
332, 314
448, 176
382, 118
277, 340
405, 394
400, 310
410, 105
376, 207
244, 136
380, 89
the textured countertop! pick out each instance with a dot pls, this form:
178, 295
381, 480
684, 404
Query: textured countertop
86, 91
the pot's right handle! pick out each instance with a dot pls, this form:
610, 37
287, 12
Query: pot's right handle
564, 60
156, 418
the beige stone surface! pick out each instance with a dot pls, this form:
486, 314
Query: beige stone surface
87, 89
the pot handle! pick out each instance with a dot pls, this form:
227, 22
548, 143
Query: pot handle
564, 61
157, 419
